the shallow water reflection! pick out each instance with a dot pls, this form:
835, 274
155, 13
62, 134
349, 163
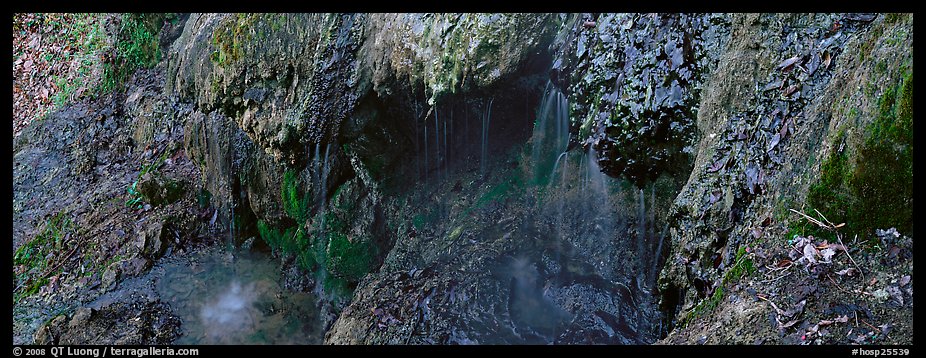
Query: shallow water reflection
237, 299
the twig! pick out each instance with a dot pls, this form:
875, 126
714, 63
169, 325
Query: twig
831, 227
770, 268
65, 259
815, 221
825, 219
769, 301
780, 277
846, 249
869, 325
834, 282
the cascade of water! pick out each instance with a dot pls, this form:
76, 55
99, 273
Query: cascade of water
326, 169
231, 190
551, 132
437, 145
652, 210
556, 165
561, 211
417, 150
596, 179
658, 256
486, 118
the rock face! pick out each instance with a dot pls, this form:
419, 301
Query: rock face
119, 323
267, 118
785, 97
634, 83
389, 160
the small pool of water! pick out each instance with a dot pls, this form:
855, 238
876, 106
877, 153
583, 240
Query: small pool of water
236, 298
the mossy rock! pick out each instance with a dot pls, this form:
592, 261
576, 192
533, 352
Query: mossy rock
347, 259
157, 189
875, 191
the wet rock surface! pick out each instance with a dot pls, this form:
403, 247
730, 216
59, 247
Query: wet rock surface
137, 323
394, 175
634, 81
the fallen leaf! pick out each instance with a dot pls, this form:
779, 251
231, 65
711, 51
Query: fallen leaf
784, 128
886, 328
895, 294
791, 89
215, 215
789, 324
773, 85
904, 280
716, 166
842, 319
827, 254
809, 253
787, 64
774, 142
847, 272
827, 59
767, 221
794, 311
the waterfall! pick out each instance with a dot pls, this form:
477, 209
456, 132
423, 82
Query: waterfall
486, 117
658, 256
551, 133
437, 145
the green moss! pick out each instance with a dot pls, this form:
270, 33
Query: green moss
295, 204
137, 47
229, 38
877, 191
290, 240
829, 194
348, 260
500, 191
418, 221
30, 258
742, 266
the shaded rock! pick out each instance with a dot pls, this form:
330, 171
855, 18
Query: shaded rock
143, 322
49, 332
134, 266
153, 241
160, 190
81, 317
111, 276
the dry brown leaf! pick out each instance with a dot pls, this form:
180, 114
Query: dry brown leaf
847, 272
789, 324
